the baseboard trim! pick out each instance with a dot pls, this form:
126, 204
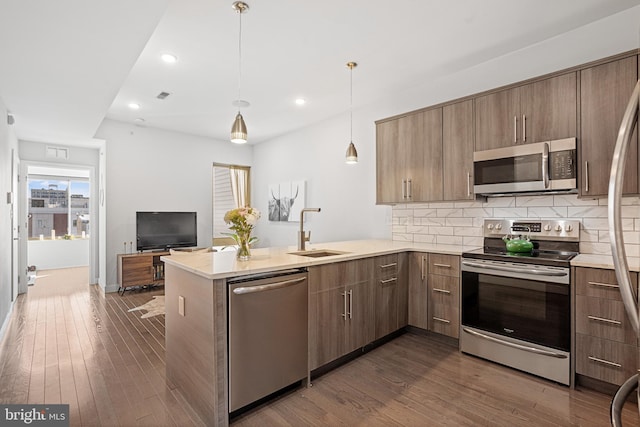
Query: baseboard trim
5, 324
111, 288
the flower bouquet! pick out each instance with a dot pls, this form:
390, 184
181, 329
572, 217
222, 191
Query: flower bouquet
242, 221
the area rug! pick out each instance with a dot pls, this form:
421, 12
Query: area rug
152, 308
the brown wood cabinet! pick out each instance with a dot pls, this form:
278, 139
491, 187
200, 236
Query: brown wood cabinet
604, 93
387, 294
540, 111
418, 290
444, 294
340, 309
606, 345
409, 158
457, 151
140, 269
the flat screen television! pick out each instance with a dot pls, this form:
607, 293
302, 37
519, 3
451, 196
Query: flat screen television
165, 230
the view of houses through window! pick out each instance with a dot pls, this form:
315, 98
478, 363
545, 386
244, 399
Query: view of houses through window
58, 207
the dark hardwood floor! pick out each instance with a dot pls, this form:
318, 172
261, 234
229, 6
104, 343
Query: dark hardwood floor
69, 343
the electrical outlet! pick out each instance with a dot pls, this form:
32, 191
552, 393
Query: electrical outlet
181, 305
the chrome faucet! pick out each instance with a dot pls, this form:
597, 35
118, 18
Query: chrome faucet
302, 236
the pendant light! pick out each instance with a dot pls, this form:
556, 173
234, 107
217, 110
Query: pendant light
352, 154
239, 128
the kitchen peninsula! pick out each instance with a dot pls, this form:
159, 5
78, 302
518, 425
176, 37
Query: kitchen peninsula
386, 283
197, 307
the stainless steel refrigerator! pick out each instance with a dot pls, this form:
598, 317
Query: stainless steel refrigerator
630, 299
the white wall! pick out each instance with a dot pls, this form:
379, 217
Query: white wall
346, 193
8, 142
156, 170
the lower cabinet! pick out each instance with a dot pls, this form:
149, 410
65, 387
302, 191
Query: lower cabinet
606, 345
340, 309
444, 294
418, 297
390, 294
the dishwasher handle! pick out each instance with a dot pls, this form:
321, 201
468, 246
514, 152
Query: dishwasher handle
271, 286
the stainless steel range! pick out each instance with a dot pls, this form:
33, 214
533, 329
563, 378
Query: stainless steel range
516, 307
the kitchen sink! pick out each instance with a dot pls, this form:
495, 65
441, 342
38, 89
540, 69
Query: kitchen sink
318, 253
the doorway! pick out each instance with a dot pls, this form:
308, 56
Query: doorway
58, 228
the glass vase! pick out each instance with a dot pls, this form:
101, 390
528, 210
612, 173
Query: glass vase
244, 251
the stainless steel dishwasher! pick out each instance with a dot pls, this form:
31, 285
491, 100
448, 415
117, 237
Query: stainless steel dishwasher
268, 334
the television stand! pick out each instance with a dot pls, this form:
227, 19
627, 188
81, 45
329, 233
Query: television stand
140, 269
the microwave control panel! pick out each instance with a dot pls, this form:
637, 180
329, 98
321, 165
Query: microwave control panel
562, 164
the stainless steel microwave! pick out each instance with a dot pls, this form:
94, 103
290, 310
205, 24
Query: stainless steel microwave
532, 168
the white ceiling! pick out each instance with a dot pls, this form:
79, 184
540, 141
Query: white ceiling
67, 64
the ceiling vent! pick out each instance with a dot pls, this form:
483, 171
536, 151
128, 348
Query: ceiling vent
163, 95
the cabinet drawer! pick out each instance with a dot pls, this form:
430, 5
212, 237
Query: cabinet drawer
603, 318
600, 283
445, 265
605, 360
386, 267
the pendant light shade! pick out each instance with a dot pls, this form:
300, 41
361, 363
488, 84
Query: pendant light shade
352, 154
239, 128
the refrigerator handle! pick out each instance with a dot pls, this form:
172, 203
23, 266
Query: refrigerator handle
614, 208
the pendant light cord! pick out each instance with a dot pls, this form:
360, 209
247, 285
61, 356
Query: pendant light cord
239, 56
351, 103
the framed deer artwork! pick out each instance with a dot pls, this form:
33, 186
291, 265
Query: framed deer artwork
286, 200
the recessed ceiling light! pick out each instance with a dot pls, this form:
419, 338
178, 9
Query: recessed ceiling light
301, 101
134, 106
169, 58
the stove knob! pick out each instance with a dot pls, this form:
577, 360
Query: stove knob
547, 227
568, 228
558, 228
498, 226
490, 226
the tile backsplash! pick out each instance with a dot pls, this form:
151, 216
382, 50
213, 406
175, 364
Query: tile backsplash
460, 223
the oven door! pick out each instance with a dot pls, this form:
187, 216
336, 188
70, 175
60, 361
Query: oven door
519, 301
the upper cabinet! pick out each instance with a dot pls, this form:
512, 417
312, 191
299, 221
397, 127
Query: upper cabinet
540, 111
457, 150
409, 158
604, 93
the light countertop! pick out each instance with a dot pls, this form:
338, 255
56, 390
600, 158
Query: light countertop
602, 261
220, 265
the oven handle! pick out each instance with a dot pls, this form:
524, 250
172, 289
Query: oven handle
518, 346
515, 270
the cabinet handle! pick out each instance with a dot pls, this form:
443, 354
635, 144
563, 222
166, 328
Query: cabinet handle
468, 184
350, 303
515, 129
524, 128
404, 189
605, 362
344, 302
422, 263
441, 320
442, 291
409, 189
442, 265
384, 282
601, 319
393, 264
586, 176
604, 285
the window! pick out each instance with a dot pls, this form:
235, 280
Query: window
58, 206
231, 189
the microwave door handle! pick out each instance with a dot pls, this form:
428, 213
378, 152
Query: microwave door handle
545, 164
